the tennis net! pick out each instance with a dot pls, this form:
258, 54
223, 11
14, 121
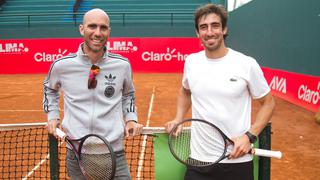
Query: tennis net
27, 152
25, 149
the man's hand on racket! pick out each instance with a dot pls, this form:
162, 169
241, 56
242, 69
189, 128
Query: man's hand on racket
52, 125
241, 146
170, 125
133, 128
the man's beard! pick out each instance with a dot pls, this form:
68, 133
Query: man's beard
94, 48
214, 47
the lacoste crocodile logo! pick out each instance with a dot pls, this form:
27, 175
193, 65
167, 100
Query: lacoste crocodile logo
233, 79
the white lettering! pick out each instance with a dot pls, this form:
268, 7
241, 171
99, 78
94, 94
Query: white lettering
315, 98
121, 46
45, 57
2, 49
13, 48
37, 58
308, 95
279, 84
168, 56
144, 54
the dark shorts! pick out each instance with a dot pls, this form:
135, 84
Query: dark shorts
221, 171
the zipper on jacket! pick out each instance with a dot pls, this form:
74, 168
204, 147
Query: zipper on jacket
93, 93
93, 109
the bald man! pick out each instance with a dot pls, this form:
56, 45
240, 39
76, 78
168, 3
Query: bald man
99, 95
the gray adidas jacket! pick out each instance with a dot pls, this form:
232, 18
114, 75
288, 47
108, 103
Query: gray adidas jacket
102, 110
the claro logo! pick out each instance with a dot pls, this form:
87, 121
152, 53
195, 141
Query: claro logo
309, 95
47, 57
279, 84
13, 48
167, 56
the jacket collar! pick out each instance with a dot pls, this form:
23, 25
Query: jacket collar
84, 57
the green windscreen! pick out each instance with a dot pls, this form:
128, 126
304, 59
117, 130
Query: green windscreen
168, 168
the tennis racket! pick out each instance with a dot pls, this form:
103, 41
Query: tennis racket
183, 135
94, 154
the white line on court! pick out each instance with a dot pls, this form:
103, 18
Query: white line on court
144, 142
16, 94
21, 110
38, 165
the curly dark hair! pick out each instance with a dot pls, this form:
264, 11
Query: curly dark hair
209, 9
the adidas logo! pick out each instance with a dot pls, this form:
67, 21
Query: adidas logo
110, 78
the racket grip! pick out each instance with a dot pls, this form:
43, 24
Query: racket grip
60, 133
267, 153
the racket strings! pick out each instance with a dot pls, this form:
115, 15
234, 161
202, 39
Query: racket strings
198, 145
96, 159
182, 148
97, 166
181, 145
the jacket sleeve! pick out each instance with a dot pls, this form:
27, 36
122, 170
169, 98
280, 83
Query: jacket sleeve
128, 97
51, 93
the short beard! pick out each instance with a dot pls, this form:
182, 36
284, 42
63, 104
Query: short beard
213, 48
93, 49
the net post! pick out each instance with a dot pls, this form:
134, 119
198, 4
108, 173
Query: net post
264, 162
54, 161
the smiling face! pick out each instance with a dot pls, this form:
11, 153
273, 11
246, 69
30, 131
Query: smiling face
95, 31
211, 32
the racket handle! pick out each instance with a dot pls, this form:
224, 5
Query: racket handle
267, 153
60, 133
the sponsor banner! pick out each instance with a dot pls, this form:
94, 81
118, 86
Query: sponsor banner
145, 54
299, 89
29, 56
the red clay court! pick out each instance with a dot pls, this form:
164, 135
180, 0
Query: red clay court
294, 130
